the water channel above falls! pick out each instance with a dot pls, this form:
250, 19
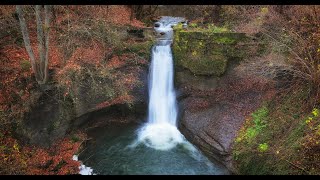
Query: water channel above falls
110, 153
157, 146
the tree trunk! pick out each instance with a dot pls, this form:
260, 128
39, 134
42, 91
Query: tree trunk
46, 35
40, 37
39, 68
26, 40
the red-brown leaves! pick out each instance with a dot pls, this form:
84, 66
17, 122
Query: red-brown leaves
119, 15
115, 14
91, 54
17, 80
39, 161
118, 100
115, 62
11, 74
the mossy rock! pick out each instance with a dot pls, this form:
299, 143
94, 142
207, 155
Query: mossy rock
141, 48
220, 38
205, 53
211, 65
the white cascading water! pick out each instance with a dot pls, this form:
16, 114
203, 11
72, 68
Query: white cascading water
162, 104
160, 132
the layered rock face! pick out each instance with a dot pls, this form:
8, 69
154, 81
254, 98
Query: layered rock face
214, 96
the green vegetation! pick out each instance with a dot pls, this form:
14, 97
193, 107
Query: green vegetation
277, 139
94, 63
212, 65
210, 28
255, 125
263, 147
142, 49
25, 65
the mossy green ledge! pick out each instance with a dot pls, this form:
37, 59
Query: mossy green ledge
204, 52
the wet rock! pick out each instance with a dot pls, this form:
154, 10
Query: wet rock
211, 114
211, 130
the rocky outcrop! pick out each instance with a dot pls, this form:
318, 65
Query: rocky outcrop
116, 88
214, 95
212, 109
53, 116
206, 52
48, 120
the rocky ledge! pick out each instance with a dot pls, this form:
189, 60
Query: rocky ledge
212, 113
215, 93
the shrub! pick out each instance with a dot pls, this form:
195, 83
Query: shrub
254, 126
25, 65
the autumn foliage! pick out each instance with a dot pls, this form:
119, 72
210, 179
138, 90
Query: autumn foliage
89, 46
82, 44
17, 79
17, 158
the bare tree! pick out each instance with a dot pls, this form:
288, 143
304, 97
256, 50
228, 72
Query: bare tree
142, 11
39, 66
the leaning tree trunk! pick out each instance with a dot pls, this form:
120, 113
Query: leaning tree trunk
26, 39
46, 35
40, 37
40, 68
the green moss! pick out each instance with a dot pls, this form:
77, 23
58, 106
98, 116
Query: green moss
251, 133
178, 27
193, 25
214, 65
225, 40
74, 138
192, 51
25, 65
205, 51
211, 28
141, 48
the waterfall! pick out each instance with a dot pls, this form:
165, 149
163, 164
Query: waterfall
159, 147
160, 132
162, 103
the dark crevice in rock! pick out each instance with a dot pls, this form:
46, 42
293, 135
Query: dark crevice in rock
221, 149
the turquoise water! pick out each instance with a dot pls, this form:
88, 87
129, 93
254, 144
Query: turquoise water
110, 153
